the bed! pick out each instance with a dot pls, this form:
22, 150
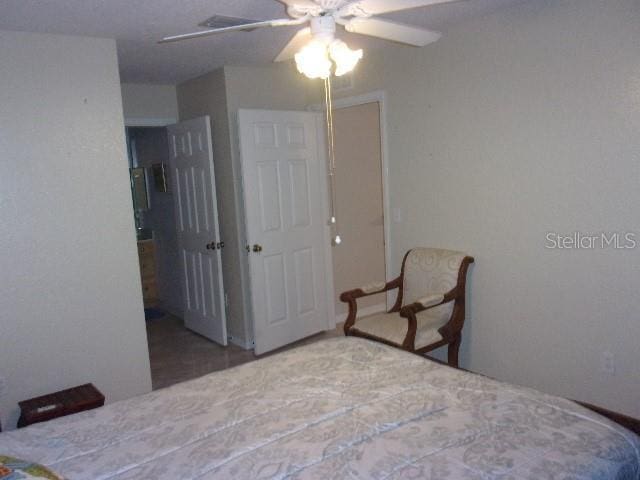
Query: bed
338, 408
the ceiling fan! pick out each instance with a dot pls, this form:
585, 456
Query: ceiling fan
315, 45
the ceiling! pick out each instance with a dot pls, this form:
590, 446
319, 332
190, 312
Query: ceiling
137, 25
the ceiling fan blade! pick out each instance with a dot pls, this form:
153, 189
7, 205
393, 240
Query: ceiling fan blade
234, 28
398, 32
301, 3
375, 7
294, 45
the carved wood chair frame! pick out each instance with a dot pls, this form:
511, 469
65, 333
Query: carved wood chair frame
451, 332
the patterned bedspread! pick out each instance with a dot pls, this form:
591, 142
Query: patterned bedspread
343, 408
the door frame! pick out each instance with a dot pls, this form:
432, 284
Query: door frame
152, 122
377, 96
321, 145
149, 122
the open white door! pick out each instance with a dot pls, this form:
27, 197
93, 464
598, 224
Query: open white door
286, 225
194, 194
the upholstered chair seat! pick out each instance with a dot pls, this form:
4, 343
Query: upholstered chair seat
429, 311
393, 328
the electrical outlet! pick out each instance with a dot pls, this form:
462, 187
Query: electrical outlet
608, 363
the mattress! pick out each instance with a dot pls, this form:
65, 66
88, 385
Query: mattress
340, 408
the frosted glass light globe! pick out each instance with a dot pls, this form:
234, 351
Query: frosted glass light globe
345, 58
313, 60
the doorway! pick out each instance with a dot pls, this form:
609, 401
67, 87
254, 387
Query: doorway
360, 202
176, 352
284, 191
154, 219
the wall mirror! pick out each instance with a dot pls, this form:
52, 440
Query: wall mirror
139, 189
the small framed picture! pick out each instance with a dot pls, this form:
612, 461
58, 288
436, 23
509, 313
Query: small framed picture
160, 177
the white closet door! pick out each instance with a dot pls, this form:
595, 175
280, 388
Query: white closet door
194, 193
286, 226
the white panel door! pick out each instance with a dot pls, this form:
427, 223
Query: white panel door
283, 189
194, 193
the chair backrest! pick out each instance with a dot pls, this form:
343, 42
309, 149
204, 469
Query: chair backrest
429, 271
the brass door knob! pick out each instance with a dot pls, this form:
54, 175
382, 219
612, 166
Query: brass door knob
257, 248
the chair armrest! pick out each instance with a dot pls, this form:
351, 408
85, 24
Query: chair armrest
351, 296
428, 302
369, 289
431, 300
425, 303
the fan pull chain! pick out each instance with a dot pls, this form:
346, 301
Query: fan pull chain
332, 158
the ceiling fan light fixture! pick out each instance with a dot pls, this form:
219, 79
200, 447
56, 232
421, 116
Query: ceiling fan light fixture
313, 60
344, 57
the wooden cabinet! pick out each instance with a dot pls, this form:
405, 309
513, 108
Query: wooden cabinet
147, 259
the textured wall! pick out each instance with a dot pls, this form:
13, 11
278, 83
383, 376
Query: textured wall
511, 126
272, 87
220, 94
71, 304
143, 102
514, 125
206, 95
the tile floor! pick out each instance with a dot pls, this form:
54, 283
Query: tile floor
178, 354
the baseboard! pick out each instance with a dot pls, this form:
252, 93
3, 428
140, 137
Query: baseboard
630, 423
241, 342
363, 312
626, 421
170, 309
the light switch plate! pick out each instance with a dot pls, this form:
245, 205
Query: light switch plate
396, 214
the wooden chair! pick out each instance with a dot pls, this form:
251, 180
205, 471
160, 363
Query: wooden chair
430, 308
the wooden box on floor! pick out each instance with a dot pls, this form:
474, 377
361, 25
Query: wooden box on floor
59, 404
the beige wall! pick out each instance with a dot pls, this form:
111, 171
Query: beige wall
512, 126
220, 94
146, 103
271, 87
70, 299
275, 87
359, 259
206, 95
